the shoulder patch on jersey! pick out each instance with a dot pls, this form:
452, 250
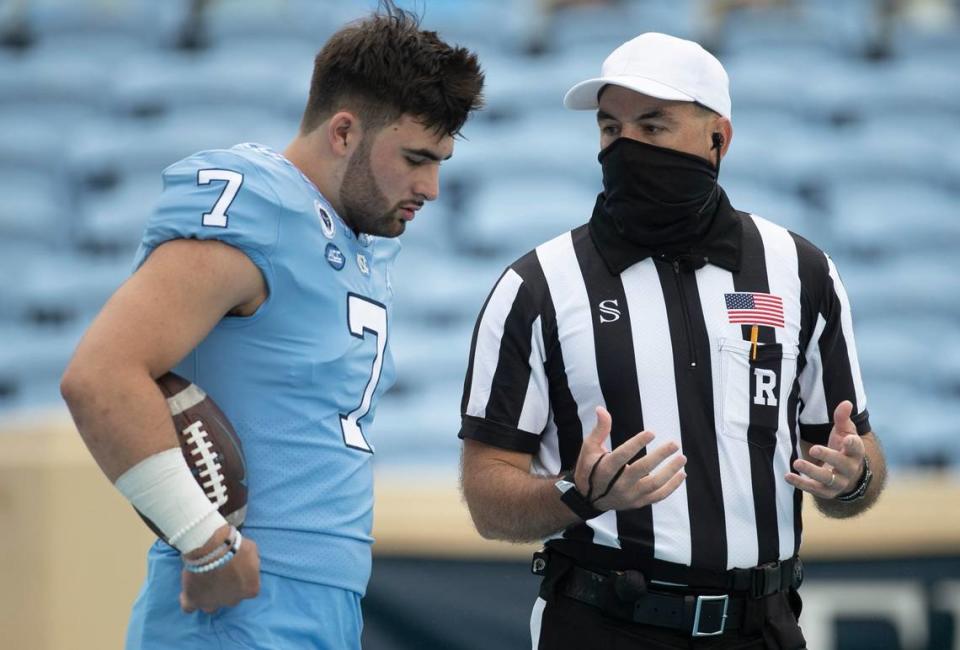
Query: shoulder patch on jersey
334, 257
327, 225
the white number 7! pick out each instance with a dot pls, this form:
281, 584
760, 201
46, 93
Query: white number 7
364, 315
217, 217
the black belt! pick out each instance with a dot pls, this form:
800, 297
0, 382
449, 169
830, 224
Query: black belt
627, 595
757, 582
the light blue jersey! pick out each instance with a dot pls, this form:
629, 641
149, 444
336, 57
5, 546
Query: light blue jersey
301, 377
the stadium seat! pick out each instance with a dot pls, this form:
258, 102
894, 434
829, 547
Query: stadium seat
217, 83
33, 206
614, 23
31, 364
68, 288
779, 206
32, 137
548, 141
444, 350
889, 351
240, 20
421, 426
113, 221
36, 80
507, 218
880, 151
458, 286
924, 281
142, 22
894, 217
917, 427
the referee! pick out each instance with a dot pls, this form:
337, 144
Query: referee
652, 392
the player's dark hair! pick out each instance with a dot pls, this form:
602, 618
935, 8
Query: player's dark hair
385, 66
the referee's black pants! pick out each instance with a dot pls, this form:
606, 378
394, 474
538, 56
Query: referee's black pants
567, 624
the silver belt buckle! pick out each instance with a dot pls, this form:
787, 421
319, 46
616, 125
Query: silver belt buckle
699, 608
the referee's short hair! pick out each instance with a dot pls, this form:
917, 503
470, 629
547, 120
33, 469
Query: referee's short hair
385, 66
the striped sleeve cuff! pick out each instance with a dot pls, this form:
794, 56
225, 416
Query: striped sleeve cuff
498, 435
819, 434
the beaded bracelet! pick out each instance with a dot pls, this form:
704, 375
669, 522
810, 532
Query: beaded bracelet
197, 567
215, 553
216, 564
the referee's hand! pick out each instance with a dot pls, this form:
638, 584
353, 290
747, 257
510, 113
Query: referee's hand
837, 467
616, 482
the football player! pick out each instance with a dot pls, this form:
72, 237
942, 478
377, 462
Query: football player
264, 277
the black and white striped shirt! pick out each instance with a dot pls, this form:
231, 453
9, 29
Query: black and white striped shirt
560, 334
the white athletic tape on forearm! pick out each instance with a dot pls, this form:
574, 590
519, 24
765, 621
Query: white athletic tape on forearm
163, 489
187, 398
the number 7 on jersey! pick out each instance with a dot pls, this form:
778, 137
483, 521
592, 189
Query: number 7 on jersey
364, 315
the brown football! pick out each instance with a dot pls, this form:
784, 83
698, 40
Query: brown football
210, 446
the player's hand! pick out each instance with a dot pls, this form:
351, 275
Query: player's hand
836, 468
224, 587
635, 484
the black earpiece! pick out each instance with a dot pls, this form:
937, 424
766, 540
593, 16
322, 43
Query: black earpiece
717, 140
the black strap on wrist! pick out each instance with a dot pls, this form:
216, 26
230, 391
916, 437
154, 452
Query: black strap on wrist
580, 505
860, 489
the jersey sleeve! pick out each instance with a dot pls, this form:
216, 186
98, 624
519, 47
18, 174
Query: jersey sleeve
506, 394
832, 370
216, 195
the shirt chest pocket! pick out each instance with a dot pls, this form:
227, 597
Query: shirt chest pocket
753, 392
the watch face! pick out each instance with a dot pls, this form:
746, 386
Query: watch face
563, 485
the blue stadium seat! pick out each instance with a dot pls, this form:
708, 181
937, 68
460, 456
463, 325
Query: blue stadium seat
427, 356
882, 151
64, 289
420, 426
894, 217
240, 20
35, 79
113, 221
507, 218
31, 364
914, 426
216, 83
441, 290
777, 205
549, 141
33, 205
885, 285
895, 351
616, 23
30, 141
151, 146
141, 21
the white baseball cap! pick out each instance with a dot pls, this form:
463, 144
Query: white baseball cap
661, 66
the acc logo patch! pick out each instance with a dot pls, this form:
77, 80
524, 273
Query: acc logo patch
362, 264
327, 225
334, 257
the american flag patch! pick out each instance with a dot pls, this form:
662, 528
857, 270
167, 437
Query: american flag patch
755, 309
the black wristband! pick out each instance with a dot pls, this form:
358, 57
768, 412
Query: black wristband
573, 499
860, 489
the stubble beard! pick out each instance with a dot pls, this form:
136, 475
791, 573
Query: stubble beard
365, 207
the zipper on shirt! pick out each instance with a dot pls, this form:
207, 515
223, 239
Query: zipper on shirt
688, 330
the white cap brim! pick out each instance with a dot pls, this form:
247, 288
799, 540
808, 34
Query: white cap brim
583, 96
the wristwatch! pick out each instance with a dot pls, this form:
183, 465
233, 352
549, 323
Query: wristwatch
574, 500
861, 488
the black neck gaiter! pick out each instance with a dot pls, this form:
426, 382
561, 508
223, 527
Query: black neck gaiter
656, 197
660, 202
